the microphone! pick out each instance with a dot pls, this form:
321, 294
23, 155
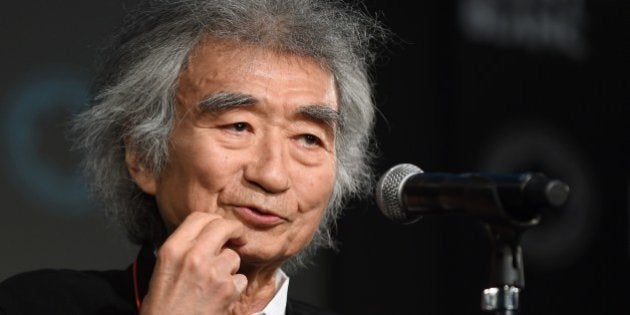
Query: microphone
405, 193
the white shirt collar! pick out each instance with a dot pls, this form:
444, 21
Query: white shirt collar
278, 303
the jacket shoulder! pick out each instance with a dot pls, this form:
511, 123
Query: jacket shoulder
297, 307
65, 292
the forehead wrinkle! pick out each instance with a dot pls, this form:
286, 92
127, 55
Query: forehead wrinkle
223, 101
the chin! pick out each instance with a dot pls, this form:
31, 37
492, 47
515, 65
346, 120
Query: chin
258, 261
252, 254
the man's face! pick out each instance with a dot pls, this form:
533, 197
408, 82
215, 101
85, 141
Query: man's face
253, 140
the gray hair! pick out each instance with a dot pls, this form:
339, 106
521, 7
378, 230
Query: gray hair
133, 101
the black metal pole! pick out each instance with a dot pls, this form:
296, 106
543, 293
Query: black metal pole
506, 274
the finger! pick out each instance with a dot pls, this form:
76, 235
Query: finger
188, 230
240, 282
228, 261
183, 238
215, 235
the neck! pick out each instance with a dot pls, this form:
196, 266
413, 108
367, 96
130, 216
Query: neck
261, 288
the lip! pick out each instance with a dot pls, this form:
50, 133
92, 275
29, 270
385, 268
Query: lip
258, 217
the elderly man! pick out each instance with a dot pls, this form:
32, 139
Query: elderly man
224, 136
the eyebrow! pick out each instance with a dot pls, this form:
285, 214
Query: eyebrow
224, 101
322, 113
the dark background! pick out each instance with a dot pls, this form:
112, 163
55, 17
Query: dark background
468, 85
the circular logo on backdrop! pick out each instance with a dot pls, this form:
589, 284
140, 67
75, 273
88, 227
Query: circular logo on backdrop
39, 158
563, 235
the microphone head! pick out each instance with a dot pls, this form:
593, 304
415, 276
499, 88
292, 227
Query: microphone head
389, 192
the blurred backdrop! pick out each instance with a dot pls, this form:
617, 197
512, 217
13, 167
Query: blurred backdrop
467, 85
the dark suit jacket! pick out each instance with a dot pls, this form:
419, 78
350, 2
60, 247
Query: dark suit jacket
70, 292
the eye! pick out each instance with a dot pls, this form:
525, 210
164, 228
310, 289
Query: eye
239, 126
310, 140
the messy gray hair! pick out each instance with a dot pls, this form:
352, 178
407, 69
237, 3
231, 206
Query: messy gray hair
133, 103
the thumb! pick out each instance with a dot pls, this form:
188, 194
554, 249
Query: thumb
240, 281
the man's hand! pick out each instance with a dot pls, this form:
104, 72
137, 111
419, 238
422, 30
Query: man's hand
195, 273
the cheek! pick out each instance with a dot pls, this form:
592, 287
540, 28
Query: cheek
212, 167
192, 182
316, 190
304, 228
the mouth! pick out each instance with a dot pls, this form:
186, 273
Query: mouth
258, 217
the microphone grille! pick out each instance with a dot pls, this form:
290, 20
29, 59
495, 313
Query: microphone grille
389, 191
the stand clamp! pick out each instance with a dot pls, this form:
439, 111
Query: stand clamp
500, 299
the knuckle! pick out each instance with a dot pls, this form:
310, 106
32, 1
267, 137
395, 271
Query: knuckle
212, 274
167, 252
232, 256
225, 290
193, 262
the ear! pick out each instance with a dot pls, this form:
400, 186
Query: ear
142, 176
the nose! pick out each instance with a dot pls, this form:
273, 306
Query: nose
268, 166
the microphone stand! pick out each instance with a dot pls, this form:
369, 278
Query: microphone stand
510, 218
508, 204
506, 274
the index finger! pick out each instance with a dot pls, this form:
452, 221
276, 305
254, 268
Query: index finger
189, 229
221, 233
